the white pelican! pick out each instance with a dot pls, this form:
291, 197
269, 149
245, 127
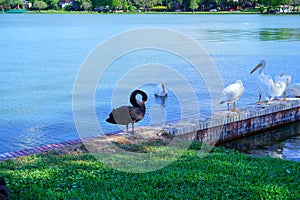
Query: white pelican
232, 93
282, 82
161, 90
294, 89
264, 82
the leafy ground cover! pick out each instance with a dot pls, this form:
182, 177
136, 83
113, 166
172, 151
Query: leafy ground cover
222, 174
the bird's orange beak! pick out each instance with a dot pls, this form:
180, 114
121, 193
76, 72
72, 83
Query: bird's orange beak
257, 66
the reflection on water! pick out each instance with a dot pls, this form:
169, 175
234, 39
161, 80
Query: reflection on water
218, 35
161, 100
290, 34
262, 34
283, 142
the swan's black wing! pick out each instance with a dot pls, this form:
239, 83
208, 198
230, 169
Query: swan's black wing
120, 115
137, 113
129, 114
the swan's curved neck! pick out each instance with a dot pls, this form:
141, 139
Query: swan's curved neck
134, 101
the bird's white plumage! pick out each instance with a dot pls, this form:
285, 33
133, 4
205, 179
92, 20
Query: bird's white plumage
282, 82
161, 90
294, 89
279, 88
232, 92
264, 82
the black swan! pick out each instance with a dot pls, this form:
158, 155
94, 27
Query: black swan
129, 114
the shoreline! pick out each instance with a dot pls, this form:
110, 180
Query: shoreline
251, 120
24, 11
128, 13
121, 138
149, 13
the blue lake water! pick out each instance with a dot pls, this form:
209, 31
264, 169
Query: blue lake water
282, 142
41, 56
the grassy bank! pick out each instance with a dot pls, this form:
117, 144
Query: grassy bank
222, 174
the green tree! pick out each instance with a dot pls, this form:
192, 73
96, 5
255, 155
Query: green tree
271, 3
221, 3
40, 5
96, 3
144, 3
296, 4
194, 5
131, 8
8, 4
86, 5
158, 2
67, 7
125, 5
115, 4
52, 4
5, 4
16, 3
185, 4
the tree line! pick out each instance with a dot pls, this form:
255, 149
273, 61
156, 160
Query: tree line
144, 5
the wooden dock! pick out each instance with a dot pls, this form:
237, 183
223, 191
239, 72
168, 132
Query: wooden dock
221, 127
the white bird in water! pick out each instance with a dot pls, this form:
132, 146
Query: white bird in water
282, 82
264, 82
161, 90
294, 89
232, 93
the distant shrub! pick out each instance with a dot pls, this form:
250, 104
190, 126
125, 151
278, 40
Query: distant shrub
68, 8
158, 8
40, 5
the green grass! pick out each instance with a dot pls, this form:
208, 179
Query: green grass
222, 174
